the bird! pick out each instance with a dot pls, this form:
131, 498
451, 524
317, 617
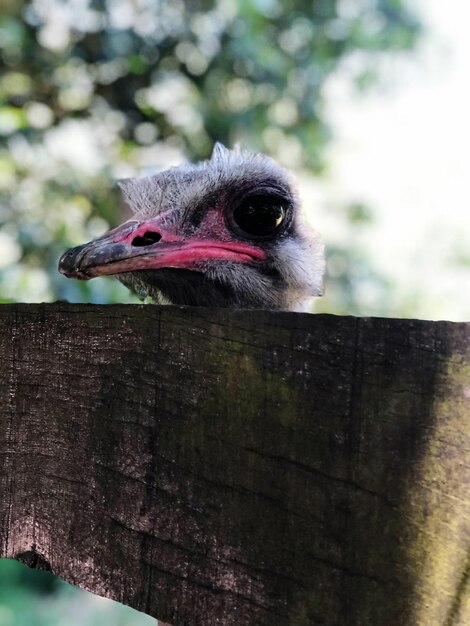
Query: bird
224, 232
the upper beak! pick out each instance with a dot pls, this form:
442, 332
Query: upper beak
139, 245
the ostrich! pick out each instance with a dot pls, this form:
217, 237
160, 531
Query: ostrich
224, 232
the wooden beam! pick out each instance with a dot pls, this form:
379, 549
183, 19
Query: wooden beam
240, 467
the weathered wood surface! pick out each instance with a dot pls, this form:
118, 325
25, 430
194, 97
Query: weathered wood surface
249, 468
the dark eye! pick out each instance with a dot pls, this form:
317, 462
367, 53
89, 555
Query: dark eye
259, 216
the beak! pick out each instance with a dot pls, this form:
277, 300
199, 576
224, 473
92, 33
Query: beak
143, 245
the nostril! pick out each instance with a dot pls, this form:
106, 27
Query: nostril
147, 239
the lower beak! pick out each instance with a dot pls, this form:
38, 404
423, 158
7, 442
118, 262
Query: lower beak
137, 246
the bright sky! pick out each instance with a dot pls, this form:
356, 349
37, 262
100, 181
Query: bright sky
404, 150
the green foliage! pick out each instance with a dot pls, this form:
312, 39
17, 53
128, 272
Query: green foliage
33, 598
95, 91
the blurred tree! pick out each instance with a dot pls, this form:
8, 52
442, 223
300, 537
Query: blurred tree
95, 90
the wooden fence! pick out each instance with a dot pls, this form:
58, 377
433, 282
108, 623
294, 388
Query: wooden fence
249, 468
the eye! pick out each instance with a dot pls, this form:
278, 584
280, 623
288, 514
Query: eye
259, 216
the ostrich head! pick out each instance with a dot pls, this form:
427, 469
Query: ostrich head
224, 232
